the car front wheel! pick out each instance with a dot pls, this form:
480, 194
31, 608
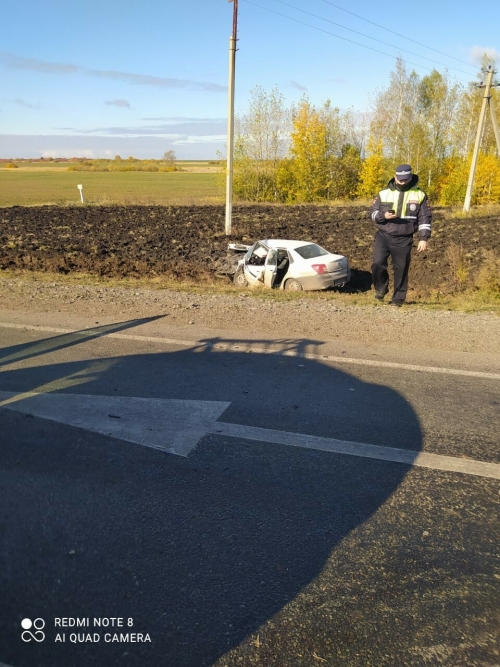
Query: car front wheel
293, 285
239, 278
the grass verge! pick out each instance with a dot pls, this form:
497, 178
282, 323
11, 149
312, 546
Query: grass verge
470, 301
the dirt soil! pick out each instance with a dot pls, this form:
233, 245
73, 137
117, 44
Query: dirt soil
189, 242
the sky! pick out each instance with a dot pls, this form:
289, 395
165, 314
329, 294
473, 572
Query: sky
142, 77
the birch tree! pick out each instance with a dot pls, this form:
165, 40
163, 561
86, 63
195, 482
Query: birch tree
262, 139
396, 113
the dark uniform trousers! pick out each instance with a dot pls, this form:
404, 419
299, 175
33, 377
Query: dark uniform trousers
399, 248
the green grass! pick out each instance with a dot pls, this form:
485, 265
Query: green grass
31, 187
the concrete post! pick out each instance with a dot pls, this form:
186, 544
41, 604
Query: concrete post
479, 136
230, 136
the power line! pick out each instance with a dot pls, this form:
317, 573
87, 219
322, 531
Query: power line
397, 33
281, 2
351, 41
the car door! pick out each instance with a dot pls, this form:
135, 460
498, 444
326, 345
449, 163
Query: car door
254, 264
271, 267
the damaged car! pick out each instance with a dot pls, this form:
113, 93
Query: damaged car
290, 265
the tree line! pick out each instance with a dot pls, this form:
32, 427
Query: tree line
166, 164
306, 153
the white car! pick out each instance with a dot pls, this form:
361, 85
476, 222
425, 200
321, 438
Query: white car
290, 265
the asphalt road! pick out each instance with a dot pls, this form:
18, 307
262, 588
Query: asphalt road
257, 542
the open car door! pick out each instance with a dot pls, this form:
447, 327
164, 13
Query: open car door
271, 268
254, 264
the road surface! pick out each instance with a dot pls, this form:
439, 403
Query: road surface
183, 497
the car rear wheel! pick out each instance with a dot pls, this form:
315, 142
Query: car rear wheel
239, 278
293, 285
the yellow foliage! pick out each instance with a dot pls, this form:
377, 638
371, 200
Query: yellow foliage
487, 180
452, 181
310, 152
455, 176
372, 170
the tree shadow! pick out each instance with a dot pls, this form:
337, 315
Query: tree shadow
198, 551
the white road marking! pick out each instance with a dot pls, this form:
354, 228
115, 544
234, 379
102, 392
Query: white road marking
273, 348
176, 427
393, 454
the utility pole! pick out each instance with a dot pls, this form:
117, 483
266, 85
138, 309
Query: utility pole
230, 119
487, 102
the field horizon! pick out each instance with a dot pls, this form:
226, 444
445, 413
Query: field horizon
37, 184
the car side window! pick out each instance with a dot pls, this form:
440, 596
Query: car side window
272, 258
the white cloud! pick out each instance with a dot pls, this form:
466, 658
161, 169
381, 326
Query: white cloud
187, 147
197, 127
13, 61
201, 140
298, 86
477, 53
124, 104
71, 152
186, 119
23, 103
158, 81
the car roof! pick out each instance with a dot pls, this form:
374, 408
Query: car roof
285, 243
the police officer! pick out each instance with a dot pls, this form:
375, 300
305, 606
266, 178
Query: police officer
398, 211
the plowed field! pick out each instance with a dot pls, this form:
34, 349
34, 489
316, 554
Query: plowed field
189, 242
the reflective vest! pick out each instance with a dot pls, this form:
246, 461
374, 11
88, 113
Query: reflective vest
405, 204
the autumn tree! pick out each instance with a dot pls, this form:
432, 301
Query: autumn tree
437, 104
487, 180
262, 140
311, 152
343, 150
453, 181
317, 153
463, 135
415, 118
371, 179
325, 155
396, 113
169, 158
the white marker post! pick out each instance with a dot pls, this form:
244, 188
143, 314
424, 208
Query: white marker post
80, 187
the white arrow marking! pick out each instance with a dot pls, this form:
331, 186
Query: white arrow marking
176, 426
172, 425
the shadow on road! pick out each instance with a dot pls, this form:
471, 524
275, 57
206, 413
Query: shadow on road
15, 353
200, 551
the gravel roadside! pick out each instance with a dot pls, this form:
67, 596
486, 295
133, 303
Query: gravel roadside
321, 319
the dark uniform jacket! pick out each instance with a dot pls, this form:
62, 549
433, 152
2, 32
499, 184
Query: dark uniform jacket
411, 206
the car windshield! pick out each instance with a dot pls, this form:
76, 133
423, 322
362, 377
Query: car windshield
311, 250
